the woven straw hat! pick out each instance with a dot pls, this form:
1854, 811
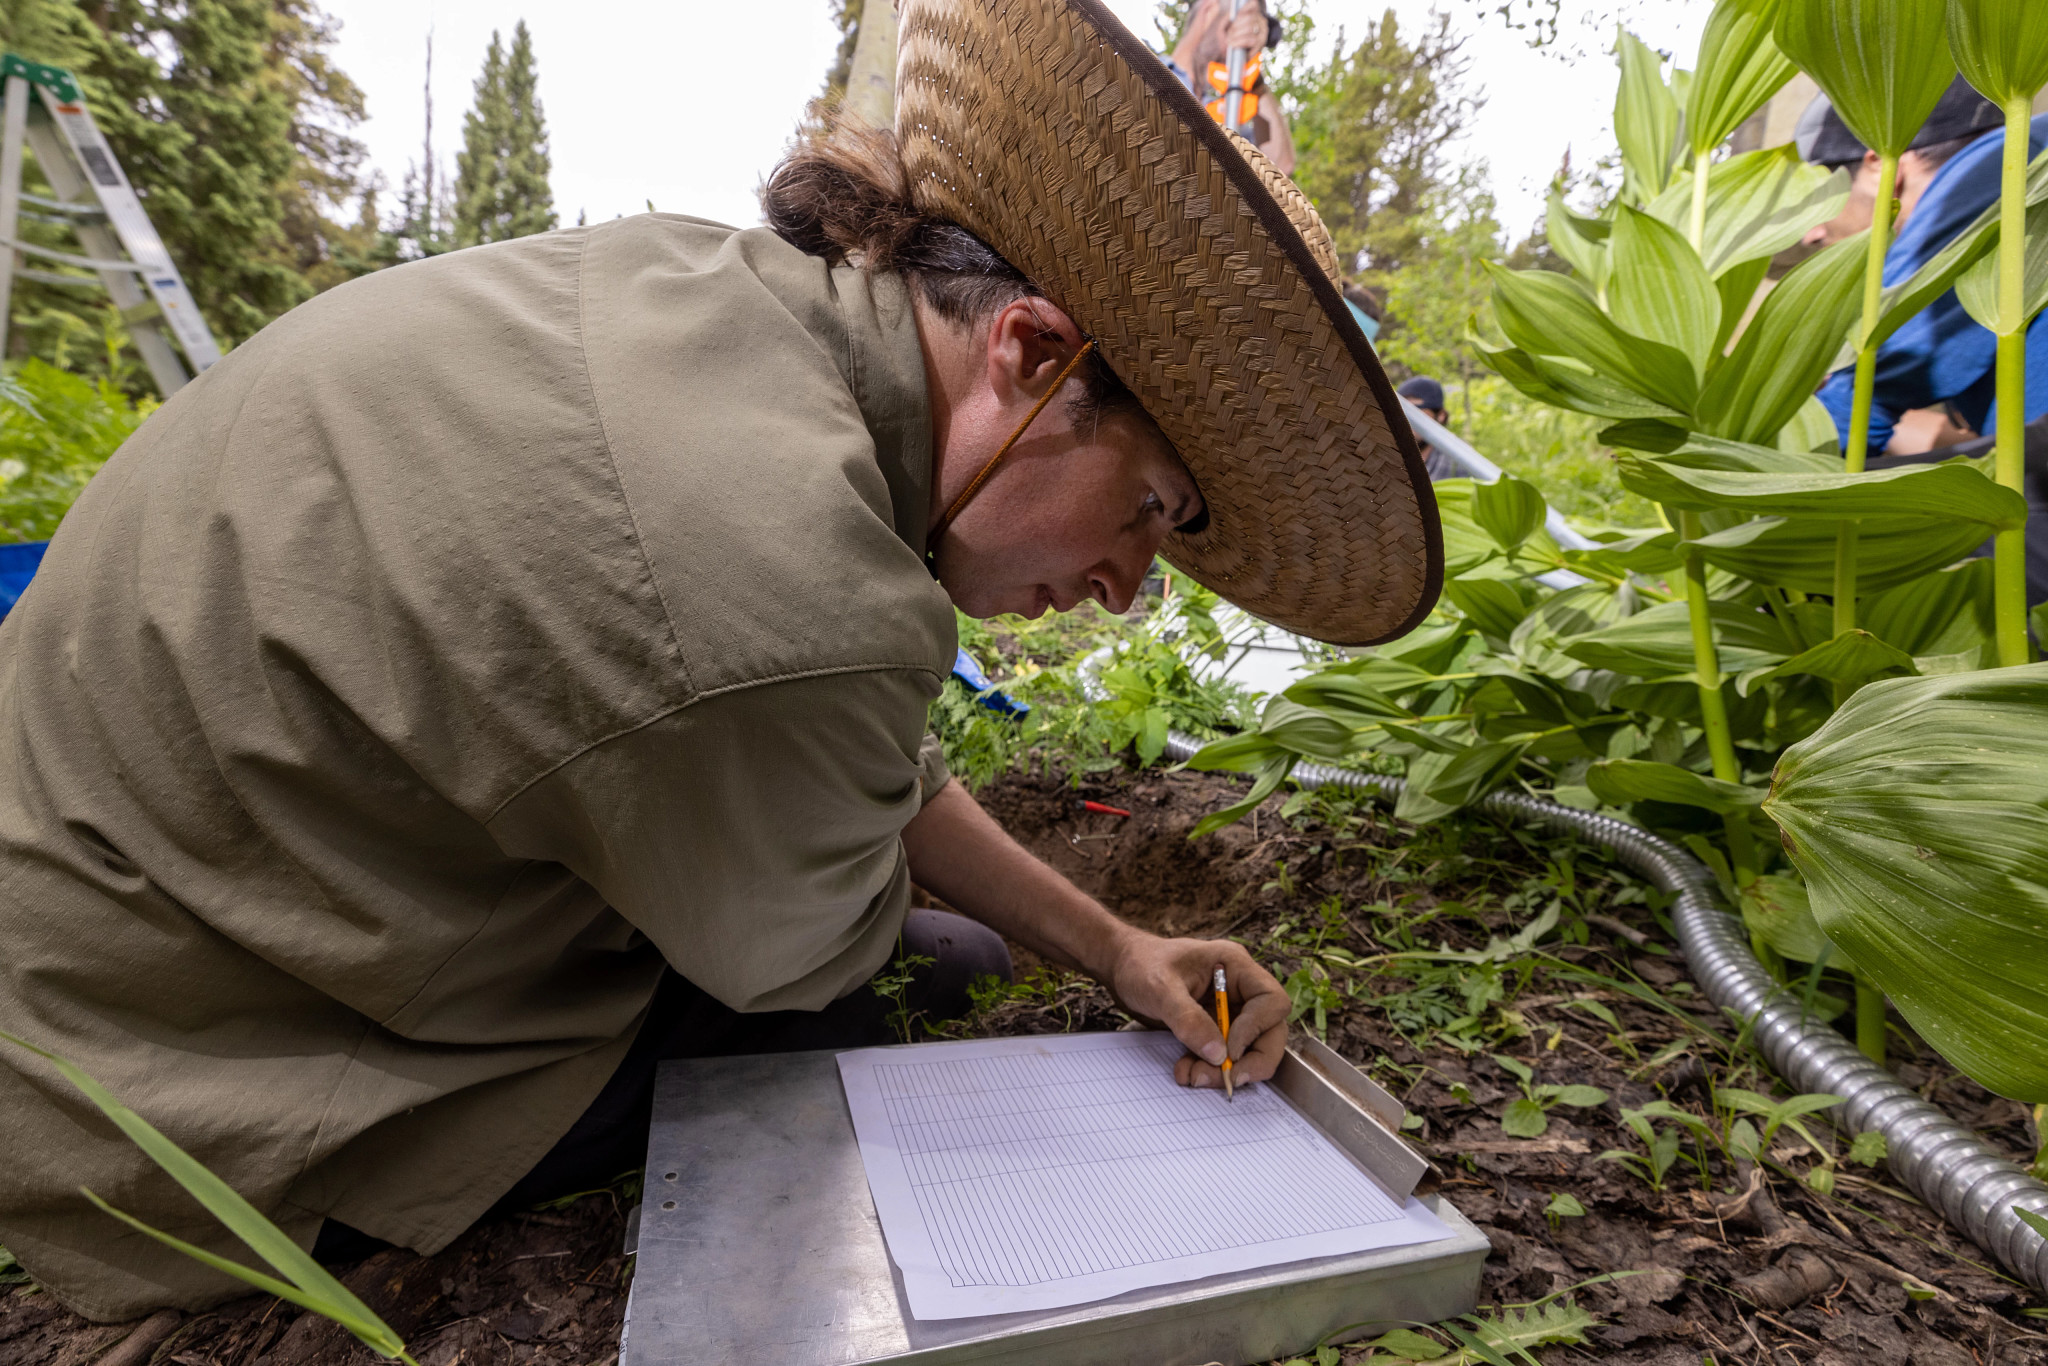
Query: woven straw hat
1208, 282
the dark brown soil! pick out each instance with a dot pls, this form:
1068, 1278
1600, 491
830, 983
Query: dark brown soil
1747, 1265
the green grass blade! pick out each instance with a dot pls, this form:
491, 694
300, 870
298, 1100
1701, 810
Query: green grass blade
267, 1240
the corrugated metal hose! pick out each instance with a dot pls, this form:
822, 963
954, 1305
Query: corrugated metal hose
1940, 1161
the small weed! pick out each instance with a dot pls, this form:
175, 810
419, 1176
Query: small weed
1529, 1116
893, 984
1562, 1206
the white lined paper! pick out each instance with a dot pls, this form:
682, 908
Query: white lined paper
1043, 1172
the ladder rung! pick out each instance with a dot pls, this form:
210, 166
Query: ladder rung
62, 206
51, 277
67, 259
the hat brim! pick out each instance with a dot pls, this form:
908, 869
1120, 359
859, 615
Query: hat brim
1052, 132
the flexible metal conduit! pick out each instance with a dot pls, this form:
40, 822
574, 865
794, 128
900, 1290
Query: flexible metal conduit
1937, 1159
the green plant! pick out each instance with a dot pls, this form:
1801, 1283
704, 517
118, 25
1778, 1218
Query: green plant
306, 1283
1561, 1206
893, 985
1529, 1116
56, 430
1661, 1146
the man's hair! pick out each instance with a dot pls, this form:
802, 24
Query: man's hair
842, 194
1937, 154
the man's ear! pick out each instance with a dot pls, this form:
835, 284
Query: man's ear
1029, 342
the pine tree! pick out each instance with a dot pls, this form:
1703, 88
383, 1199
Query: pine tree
501, 185
232, 124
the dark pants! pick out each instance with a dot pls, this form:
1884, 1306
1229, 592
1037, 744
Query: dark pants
610, 1139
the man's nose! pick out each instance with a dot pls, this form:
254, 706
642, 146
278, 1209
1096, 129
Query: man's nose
1115, 585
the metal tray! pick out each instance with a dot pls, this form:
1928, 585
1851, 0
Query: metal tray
758, 1242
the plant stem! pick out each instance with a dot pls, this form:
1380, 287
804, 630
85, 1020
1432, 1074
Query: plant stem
2009, 550
1855, 453
1869, 1019
1706, 662
1702, 163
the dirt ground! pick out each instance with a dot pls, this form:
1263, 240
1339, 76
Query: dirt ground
1737, 1263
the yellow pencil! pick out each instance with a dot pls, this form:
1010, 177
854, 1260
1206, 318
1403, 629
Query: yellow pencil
1223, 1023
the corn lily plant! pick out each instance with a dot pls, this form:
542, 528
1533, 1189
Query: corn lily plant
1692, 656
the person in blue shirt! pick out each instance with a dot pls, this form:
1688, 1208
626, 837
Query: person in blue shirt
1940, 365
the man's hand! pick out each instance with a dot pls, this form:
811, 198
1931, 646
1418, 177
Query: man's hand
1169, 982
962, 856
1247, 31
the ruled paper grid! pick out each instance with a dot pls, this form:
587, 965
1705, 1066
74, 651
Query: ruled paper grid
1041, 1170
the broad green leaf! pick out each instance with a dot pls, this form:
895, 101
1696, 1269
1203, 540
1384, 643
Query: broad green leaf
1658, 290
2036, 1222
1491, 605
1307, 730
1422, 741
1758, 204
1564, 1205
1646, 120
1550, 315
1350, 696
1852, 657
2001, 45
1918, 816
1740, 68
1784, 353
1952, 491
1439, 784
1578, 1097
1934, 614
1524, 1118
310, 1284
1793, 1107
1409, 1345
1621, 781
1799, 552
1514, 1067
1884, 63
1776, 907
1737, 287
1811, 430
1269, 779
1579, 240
1237, 754
1509, 510
1977, 287
1657, 644
1648, 552
1702, 452
1554, 381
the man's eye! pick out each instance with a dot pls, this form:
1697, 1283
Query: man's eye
1152, 503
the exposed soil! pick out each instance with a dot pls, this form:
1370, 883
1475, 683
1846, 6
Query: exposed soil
1747, 1264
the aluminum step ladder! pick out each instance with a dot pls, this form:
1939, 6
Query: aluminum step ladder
96, 201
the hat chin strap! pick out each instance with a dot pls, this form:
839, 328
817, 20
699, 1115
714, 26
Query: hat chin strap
974, 486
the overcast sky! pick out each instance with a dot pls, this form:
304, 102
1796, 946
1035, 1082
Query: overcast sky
686, 103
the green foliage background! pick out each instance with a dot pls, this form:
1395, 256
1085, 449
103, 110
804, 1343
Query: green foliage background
501, 191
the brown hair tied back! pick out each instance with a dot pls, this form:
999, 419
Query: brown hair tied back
842, 194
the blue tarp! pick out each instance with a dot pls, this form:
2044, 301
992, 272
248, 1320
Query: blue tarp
17, 566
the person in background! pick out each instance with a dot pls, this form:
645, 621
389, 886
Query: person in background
1201, 57
1935, 384
1428, 395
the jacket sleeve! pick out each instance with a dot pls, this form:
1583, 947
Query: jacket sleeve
753, 835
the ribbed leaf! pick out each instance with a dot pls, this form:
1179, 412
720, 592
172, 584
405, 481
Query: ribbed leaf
1737, 286
1510, 510
1977, 287
1785, 351
1740, 68
1758, 204
1799, 552
2001, 46
1884, 63
1812, 429
1658, 290
1620, 781
1439, 784
1852, 657
311, 1285
1934, 614
1563, 384
1579, 240
1307, 730
1918, 816
1546, 314
1645, 121
1491, 605
1954, 491
1657, 644
1778, 908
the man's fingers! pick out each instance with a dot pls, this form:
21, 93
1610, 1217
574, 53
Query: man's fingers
1194, 1027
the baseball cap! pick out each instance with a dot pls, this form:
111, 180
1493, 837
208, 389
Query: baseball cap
1423, 392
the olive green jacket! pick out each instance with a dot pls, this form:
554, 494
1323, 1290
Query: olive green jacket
479, 636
